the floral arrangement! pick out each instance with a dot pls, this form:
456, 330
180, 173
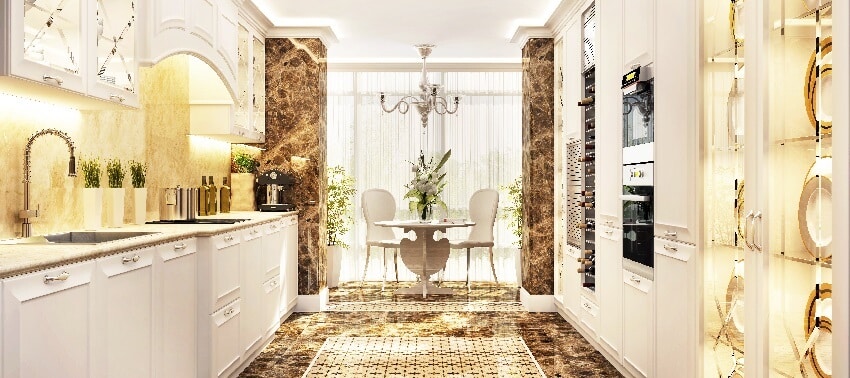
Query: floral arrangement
138, 171
427, 185
115, 173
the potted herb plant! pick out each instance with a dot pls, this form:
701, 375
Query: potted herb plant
115, 173
243, 166
92, 193
340, 207
138, 172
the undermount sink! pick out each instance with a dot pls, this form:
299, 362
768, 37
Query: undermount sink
79, 237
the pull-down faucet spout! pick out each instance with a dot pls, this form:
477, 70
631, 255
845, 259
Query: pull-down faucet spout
26, 213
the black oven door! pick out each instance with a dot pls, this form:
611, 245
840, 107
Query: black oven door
637, 243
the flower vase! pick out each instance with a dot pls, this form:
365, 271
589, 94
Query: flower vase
92, 208
425, 216
334, 265
140, 205
116, 209
242, 192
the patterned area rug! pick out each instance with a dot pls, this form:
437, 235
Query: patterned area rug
425, 307
424, 357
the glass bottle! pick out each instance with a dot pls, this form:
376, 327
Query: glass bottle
224, 196
213, 198
203, 196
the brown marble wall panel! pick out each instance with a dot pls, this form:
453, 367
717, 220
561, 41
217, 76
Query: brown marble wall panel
296, 128
538, 175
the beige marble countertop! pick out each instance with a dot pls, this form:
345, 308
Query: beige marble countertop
17, 259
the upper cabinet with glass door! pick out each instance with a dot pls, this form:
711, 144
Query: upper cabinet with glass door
259, 98
113, 51
251, 83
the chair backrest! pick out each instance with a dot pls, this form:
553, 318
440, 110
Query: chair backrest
482, 210
378, 205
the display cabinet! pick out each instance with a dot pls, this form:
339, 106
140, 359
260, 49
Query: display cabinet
112, 47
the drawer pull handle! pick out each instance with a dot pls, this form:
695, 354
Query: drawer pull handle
670, 248
670, 233
609, 232
116, 98
127, 260
228, 312
57, 80
635, 279
61, 277
180, 247
274, 227
228, 238
610, 223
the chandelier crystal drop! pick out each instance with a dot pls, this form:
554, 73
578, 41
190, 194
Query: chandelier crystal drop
429, 100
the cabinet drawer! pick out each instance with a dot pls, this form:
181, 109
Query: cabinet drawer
177, 249
272, 227
126, 261
45, 282
610, 233
672, 232
291, 220
252, 233
226, 352
678, 251
226, 239
637, 282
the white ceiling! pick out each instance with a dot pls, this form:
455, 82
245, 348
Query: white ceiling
379, 31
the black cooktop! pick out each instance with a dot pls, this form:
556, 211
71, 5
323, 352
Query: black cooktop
199, 221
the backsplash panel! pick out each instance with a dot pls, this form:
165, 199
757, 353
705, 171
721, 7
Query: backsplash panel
157, 134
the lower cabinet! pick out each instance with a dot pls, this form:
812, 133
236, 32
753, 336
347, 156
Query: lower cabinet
46, 318
220, 350
289, 264
638, 324
571, 282
609, 289
121, 315
271, 305
175, 309
251, 289
677, 313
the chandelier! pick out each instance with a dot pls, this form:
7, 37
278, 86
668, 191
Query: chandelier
429, 100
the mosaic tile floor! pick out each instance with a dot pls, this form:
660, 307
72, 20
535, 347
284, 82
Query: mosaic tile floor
557, 347
426, 306
412, 357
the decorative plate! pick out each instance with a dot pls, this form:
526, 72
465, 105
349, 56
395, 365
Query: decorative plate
814, 216
735, 307
821, 353
739, 211
811, 83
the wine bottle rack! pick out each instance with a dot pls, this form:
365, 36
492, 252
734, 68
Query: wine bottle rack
587, 160
575, 214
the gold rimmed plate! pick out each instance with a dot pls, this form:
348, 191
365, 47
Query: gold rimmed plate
821, 353
823, 75
814, 216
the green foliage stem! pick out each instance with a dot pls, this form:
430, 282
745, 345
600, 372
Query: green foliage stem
340, 204
243, 162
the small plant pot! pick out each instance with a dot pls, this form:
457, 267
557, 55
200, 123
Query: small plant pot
334, 264
92, 208
116, 207
242, 191
140, 205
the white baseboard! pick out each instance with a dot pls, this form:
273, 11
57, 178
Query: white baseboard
537, 303
312, 303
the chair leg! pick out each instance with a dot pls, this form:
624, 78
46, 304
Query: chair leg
468, 252
365, 266
395, 263
493, 267
384, 264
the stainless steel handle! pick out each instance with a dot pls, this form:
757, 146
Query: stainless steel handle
670, 248
757, 246
747, 230
127, 260
635, 279
609, 232
670, 233
228, 312
228, 238
179, 247
610, 223
116, 97
61, 277
57, 80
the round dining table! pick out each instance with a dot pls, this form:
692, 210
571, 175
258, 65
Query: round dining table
423, 254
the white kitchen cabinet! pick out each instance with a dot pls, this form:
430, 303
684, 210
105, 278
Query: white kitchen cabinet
676, 113
46, 317
609, 288
638, 33
112, 50
271, 305
572, 282
221, 352
289, 264
122, 308
677, 312
609, 110
251, 79
589, 313
638, 324
251, 277
258, 100
218, 270
175, 309
273, 247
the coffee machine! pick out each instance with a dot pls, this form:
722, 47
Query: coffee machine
273, 191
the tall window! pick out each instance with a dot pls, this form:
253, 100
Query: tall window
485, 137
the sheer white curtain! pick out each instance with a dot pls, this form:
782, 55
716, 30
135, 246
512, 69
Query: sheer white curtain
376, 148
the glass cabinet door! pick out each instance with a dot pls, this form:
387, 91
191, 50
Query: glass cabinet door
797, 235
115, 35
724, 207
259, 98
52, 42
243, 75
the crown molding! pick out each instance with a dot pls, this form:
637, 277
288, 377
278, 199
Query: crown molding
524, 33
255, 17
554, 25
325, 33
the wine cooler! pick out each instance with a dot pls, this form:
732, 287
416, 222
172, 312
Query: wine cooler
587, 200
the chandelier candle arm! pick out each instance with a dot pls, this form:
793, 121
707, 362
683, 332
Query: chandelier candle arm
429, 97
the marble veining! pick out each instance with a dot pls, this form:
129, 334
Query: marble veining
296, 127
538, 149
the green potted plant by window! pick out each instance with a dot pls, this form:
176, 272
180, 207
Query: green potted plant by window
243, 166
340, 218
92, 193
138, 173
513, 212
115, 173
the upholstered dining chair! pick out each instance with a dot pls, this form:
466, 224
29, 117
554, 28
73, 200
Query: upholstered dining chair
482, 210
379, 205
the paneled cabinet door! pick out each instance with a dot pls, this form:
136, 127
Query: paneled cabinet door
676, 325
676, 120
638, 32
46, 318
609, 288
272, 248
218, 270
112, 48
224, 346
572, 282
638, 343
175, 309
289, 264
251, 287
271, 304
122, 335
46, 41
